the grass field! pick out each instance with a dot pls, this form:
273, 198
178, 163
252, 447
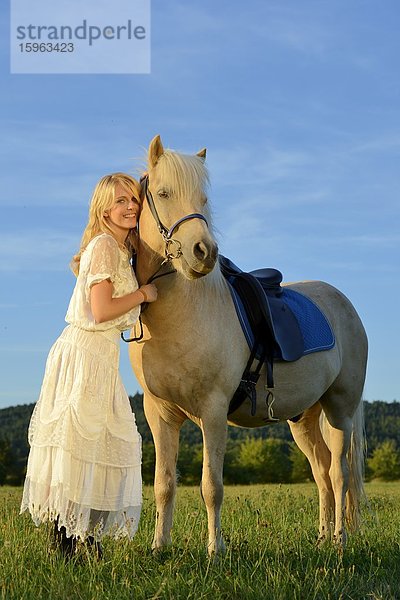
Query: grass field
270, 533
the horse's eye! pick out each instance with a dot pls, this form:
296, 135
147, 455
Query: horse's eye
163, 193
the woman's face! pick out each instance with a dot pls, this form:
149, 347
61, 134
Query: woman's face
124, 213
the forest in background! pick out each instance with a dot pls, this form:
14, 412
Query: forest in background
260, 455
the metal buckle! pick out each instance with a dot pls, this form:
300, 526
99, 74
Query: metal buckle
171, 255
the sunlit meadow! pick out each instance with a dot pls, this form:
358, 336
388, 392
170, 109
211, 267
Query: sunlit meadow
270, 533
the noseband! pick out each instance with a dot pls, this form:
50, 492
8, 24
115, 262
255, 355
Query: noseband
173, 247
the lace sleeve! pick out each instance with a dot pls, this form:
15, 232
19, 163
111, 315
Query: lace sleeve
104, 261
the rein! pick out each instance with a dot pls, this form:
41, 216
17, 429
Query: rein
170, 252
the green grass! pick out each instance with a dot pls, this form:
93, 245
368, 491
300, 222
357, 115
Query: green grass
270, 534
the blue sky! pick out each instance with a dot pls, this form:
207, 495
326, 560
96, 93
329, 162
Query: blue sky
298, 104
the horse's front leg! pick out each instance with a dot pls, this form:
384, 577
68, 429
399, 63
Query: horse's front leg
214, 430
166, 440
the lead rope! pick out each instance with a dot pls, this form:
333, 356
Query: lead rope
155, 275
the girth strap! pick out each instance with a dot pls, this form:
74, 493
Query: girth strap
260, 320
247, 385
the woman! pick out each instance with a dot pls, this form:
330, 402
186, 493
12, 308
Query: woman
84, 466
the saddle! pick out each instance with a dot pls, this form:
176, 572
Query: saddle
275, 333
271, 319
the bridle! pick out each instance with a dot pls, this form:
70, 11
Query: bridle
173, 247
165, 232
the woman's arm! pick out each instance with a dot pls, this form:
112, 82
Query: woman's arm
106, 308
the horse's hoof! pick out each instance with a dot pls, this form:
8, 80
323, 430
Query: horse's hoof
322, 540
161, 553
215, 550
339, 541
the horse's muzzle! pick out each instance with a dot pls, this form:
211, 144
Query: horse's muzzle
203, 259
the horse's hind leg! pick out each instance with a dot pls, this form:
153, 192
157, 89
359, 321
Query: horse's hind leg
166, 441
339, 436
307, 435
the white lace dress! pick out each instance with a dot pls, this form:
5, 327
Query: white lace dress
84, 465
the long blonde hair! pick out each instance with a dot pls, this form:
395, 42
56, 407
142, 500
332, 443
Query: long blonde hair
103, 199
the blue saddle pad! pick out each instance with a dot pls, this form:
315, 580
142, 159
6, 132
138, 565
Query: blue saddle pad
315, 327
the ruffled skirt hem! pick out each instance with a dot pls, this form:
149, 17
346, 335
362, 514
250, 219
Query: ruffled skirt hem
80, 520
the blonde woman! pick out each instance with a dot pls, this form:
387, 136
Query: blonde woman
84, 466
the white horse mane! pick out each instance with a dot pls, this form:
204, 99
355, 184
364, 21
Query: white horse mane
184, 173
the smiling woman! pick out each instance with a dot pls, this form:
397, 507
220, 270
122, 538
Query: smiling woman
84, 466
123, 214
114, 209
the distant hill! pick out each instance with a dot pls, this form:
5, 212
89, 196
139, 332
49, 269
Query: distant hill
382, 422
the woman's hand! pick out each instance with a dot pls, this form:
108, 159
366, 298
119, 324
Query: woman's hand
150, 292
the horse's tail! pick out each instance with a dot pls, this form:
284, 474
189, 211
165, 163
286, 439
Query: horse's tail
356, 459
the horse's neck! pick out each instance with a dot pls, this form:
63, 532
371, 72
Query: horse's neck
190, 302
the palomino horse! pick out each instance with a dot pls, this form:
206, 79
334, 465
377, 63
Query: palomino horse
193, 353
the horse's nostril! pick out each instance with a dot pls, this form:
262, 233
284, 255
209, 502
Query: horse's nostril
205, 254
200, 251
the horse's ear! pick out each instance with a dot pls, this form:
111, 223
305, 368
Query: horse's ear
156, 149
202, 153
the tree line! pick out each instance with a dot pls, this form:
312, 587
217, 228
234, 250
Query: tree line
263, 455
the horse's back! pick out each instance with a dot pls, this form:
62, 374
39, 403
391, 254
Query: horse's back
327, 297
345, 322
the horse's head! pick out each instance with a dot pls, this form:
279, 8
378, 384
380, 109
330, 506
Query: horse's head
175, 216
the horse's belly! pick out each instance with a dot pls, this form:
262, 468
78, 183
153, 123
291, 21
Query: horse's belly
297, 386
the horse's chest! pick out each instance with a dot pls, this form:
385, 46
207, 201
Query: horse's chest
181, 374
201, 375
